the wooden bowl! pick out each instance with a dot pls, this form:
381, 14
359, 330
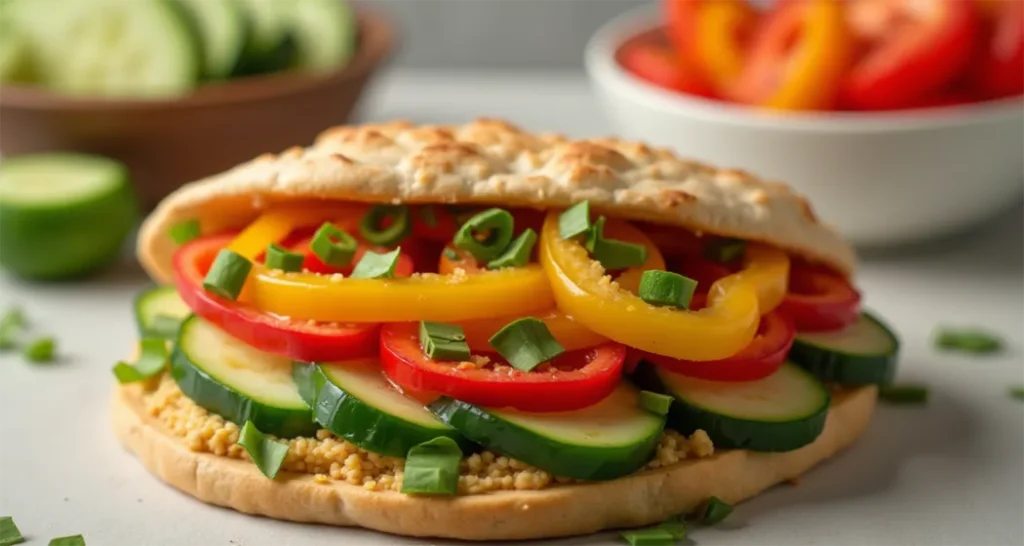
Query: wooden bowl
166, 143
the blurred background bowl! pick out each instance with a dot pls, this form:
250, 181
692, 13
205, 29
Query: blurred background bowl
166, 143
880, 178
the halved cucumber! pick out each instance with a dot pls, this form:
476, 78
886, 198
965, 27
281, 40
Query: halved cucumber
860, 354
221, 29
16, 60
62, 214
159, 312
269, 46
324, 33
356, 402
238, 382
781, 412
602, 442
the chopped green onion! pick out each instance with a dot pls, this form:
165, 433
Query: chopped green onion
517, 254
266, 453
451, 255
184, 232
152, 361
526, 343
377, 266
12, 323
443, 341
371, 228
227, 275
432, 468
667, 533
612, 253
664, 288
655, 402
1017, 393
968, 340
429, 215
903, 394
40, 349
333, 246
165, 326
9, 533
575, 221
281, 258
713, 511
494, 225
725, 250
74, 540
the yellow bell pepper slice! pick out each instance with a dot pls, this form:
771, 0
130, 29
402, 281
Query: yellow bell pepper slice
583, 291
274, 225
570, 333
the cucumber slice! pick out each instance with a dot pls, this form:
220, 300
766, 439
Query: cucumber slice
268, 46
781, 412
16, 61
159, 312
356, 402
610, 439
221, 29
863, 353
324, 33
237, 382
114, 48
63, 215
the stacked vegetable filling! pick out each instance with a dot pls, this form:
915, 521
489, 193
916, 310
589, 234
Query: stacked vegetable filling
561, 346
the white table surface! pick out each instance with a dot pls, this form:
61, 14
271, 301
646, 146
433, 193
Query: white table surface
948, 473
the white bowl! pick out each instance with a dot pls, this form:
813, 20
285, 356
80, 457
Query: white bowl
880, 178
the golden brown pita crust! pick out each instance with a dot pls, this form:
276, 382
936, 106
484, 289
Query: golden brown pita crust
641, 499
493, 162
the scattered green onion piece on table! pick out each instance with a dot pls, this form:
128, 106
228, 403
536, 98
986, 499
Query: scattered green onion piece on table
376, 266
656, 403
184, 232
575, 221
517, 254
667, 533
713, 511
9, 533
333, 246
227, 275
725, 250
432, 468
12, 323
496, 224
451, 255
429, 215
267, 454
1017, 393
526, 343
903, 394
281, 258
612, 253
445, 342
40, 349
968, 340
74, 540
152, 361
664, 288
371, 226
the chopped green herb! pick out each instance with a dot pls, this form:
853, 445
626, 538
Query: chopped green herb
440, 330
184, 232
725, 250
903, 394
429, 215
612, 253
9, 533
713, 511
432, 468
267, 454
227, 275
152, 361
667, 533
333, 246
74, 540
377, 266
386, 225
40, 349
486, 235
655, 402
451, 255
664, 288
968, 340
443, 341
1017, 393
575, 221
165, 326
12, 323
281, 258
517, 254
526, 343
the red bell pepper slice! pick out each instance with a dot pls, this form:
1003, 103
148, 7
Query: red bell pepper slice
658, 64
574, 380
998, 68
912, 49
761, 358
819, 300
298, 340
711, 36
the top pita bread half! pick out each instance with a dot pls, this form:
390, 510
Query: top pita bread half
492, 162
